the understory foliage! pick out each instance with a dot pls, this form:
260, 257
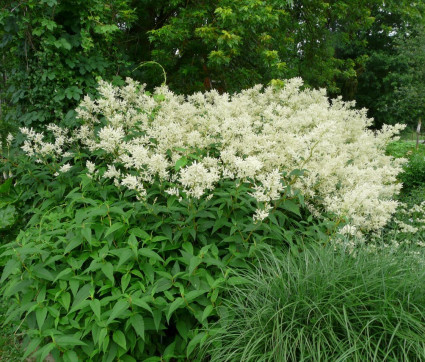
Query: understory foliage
413, 174
97, 274
324, 304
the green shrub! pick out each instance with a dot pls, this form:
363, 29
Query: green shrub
413, 174
325, 305
96, 274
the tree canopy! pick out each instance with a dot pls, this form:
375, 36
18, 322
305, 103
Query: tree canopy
54, 51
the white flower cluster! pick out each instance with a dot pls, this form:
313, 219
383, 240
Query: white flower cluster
414, 218
255, 136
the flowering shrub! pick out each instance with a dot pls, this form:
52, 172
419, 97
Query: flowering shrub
132, 224
123, 245
259, 137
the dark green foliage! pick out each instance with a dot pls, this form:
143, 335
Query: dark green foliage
53, 51
323, 304
413, 174
387, 82
10, 347
96, 274
226, 45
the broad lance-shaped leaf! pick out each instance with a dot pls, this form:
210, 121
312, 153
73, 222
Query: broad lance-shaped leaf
193, 264
7, 216
292, 207
66, 300
81, 296
207, 312
175, 305
86, 233
32, 346
150, 254
138, 324
194, 294
114, 228
95, 306
70, 356
108, 270
68, 341
40, 316
102, 335
119, 338
141, 303
125, 280
119, 308
9, 268
63, 273
198, 339
5, 186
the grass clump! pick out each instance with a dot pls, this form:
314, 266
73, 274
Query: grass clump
325, 304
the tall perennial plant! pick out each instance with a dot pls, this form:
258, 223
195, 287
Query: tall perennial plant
256, 136
132, 225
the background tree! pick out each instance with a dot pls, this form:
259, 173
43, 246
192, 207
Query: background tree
387, 67
56, 50
53, 51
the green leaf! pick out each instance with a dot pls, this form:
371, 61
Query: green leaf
169, 351
175, 305
32, 346
194, 342
70, 356
207, 312
7, 216
43, 273
125, 280
95, 306
108, 270
102, 335
86, 233
5, 186
66, 300
81, 296
193, 264
141, 303
183, 328
150, 254
63, 273
236, 280
119, 338
76, 241
180, 163
292, 207
62, 43
157, 316
140, 233
119, 308
114, 228
40, 316
9, 268
138, 324
69, 341
193, 294
124, 255
44, 351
